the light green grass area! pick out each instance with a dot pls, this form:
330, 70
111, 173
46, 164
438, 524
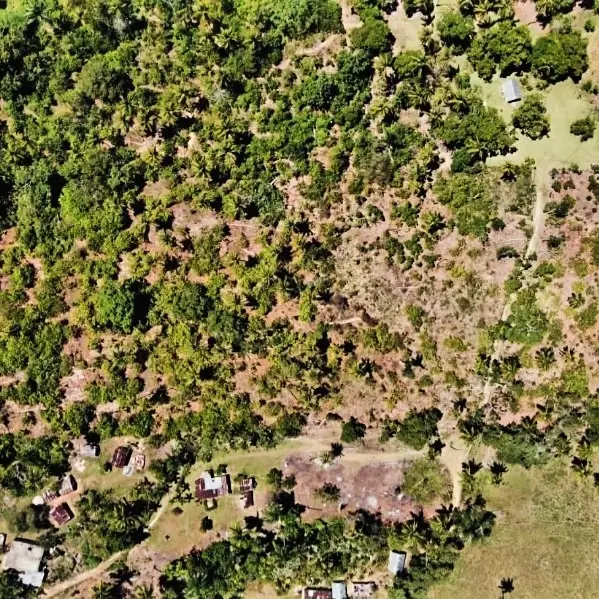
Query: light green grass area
94, 477
406, 30
565, 103
545, 539
183, 529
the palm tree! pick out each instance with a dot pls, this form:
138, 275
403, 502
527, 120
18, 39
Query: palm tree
466, 6
506, 586
581, 466
567, 352
336, 450
576, 300
503, 9
497, 469
105, 590
476, 148
510, 171
483, 12
470, 432
471, 467
145, 591
459, 405
545, 9
545, 358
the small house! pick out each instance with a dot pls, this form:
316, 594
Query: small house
246, 484
121, 457
317, 593
61, 514
89, 450
339, 590
397, 562
512, 91
363, 590
49, 496
209, 486
138, 461
26, 558
68, 485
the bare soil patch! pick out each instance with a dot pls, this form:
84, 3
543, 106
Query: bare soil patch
374, 487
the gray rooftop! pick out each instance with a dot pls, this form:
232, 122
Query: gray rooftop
397, 561
26, 558
339, 589
512, 91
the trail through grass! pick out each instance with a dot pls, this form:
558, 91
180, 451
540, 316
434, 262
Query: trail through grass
545, 538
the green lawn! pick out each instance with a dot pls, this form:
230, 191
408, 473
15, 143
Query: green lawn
565, 103
545, 539
183, 530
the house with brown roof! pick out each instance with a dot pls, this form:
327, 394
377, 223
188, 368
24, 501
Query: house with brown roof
61, 514
121, 456
209, 486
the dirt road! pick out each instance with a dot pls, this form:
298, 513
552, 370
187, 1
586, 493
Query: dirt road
538, 220
59, 589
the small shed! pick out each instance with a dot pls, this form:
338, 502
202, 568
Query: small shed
61, 514
339, 589
363, 590
68, 485
512, 91
121, 457
317, 593
397, 561
89, 450
246, 484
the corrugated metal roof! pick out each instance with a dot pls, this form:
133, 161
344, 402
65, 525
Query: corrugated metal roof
512, 91
397, 560
339, 590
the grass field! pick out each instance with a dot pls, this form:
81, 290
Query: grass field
545, 539
183, 530
565, 103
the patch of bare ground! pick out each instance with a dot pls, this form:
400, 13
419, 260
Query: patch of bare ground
349, 18
73, 386
8, 238
375, 487
194, 221
526, 13
16, 417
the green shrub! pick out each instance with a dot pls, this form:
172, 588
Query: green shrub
584, 128
426, 481
417, 428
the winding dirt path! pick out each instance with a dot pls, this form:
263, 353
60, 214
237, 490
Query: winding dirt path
453, 455
538, 220
59, 589
307, 444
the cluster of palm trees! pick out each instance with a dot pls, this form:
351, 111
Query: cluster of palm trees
449, 530
487, 12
